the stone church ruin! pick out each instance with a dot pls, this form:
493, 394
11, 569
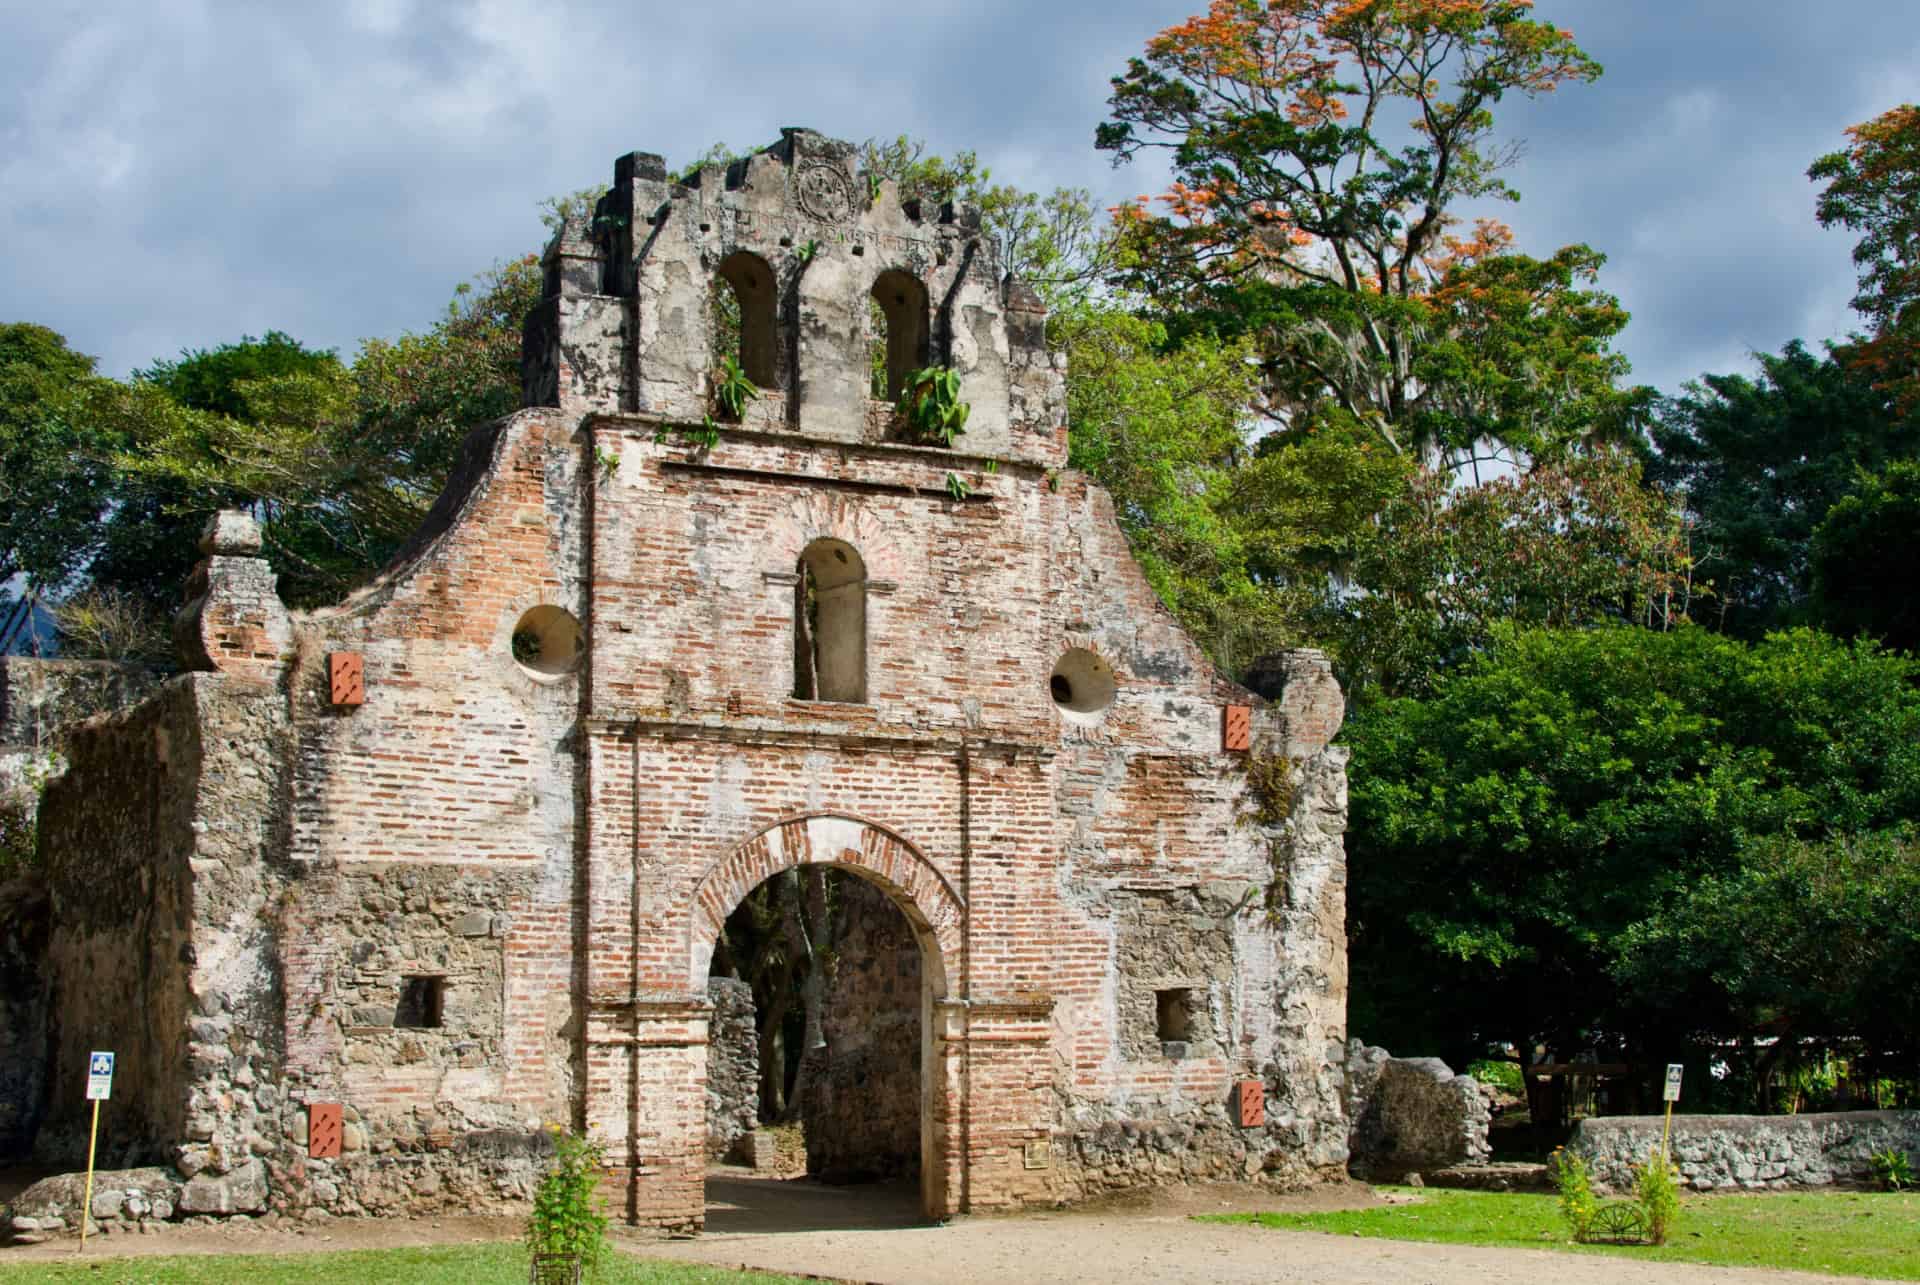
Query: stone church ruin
372, 896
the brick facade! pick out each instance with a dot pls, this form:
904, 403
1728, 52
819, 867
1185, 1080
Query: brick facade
535, 823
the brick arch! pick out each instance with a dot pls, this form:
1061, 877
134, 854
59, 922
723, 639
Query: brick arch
834, 517
845, 842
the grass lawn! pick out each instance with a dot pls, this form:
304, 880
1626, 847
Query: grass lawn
502, 1264
1853, 1233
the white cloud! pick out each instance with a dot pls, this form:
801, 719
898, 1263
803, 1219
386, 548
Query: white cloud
177, 174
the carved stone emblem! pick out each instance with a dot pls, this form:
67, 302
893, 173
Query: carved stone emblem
825, 192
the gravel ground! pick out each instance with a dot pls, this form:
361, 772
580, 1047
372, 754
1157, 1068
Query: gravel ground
874, 1238
876, 1234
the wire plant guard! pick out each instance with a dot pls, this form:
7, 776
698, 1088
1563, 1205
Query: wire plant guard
555, 1269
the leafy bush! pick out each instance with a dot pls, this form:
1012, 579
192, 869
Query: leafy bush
20, 816
931, 406
1891, 1169
732, 389
567, 1213
1657, 1183
1577, 1203
1500, 1074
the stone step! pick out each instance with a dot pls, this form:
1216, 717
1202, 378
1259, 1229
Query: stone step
1501, 1176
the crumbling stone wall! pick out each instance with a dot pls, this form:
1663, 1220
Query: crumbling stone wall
117, 830
1748, 1152
1412, 1114
861, 1113
733, 1067
25, 920
159, 842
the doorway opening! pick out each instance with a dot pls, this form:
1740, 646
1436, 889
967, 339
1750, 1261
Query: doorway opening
816, 1082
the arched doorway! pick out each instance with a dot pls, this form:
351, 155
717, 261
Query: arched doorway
900, 923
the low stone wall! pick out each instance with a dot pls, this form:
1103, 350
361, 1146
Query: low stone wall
1411, 1114
1751, 1152
733, 1067
38, 696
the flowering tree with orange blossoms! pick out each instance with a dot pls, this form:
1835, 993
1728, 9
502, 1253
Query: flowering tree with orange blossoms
1298, 217
1873, 188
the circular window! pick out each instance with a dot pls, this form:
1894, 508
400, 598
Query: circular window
547, 642
1082, 685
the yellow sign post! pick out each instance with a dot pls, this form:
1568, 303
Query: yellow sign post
1672, 1095
99, 1089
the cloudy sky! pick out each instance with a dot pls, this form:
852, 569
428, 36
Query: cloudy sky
178, 174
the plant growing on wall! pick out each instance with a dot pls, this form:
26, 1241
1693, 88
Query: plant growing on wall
568, 1220
930, 405
1269, 804
732, 390
19, 817
1892, 1171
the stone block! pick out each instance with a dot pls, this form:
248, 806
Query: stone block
242, 1190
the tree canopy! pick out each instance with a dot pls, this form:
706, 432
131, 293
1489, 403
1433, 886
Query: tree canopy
1301, 215
1873, 188
1565, 787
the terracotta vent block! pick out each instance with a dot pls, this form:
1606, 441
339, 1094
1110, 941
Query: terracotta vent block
1250, 1103
347, 677
323, 1130
1236, 731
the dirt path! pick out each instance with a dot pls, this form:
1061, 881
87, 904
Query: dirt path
876, 1234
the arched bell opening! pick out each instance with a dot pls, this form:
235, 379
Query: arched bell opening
899, 332
744, 323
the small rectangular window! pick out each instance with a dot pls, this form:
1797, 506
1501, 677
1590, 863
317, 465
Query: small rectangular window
1173, 1014
422, 1002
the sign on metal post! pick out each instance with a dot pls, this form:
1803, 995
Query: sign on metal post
1672, 1095
99, 1089
99, 1076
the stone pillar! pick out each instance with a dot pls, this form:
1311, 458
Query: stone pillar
1007, 1105
234, 621
573, 342
646, 1097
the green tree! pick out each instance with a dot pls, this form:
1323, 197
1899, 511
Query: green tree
340, 465
1873, 188
54, 480
1510, 828
1807, 941
1578, 542
1862, 581
178, 425
1296, 219
1055, 242
1759, 462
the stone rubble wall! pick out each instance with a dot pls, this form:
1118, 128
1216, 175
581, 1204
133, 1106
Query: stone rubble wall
861, 1110
24, 991
118, 830
1266, 972
1748, 1152
1412, 1114
733, 1067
